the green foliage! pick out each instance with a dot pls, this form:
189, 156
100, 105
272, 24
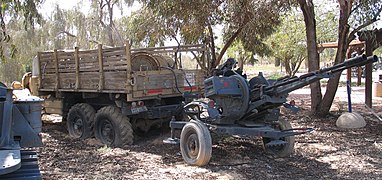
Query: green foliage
275, 75
238, 52
27, 9
288, 43
365, 12
248, 22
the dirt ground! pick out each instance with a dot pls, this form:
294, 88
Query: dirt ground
326, 153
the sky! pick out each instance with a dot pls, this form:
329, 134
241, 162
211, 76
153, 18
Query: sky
49, 5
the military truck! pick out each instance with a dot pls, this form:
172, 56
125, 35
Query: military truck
113, 92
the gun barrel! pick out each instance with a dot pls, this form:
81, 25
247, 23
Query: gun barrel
294, 83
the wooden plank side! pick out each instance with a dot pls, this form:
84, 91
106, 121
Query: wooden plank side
114, 60
88, 62
86, 52
115, 68
114, 53
155, 82
56, 68
48, 81
89, 80
67, 80
47, 65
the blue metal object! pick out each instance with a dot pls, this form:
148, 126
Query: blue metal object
20, 126
221, 86
349, 95
235, 106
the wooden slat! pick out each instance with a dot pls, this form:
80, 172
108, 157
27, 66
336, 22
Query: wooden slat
114, 59
100, 61
84, 52
114, 53
38, 62
128, 67
57, 73
115, 68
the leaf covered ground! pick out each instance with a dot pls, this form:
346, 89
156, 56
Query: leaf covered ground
326, 153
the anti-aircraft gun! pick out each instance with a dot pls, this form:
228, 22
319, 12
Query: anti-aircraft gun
20, 124
234, 106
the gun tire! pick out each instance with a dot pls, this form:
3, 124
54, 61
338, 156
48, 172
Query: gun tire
112, 128
80, 121
195, 144
281, 150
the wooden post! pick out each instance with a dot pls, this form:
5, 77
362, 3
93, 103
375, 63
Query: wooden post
129, 87
101, 73
77, 63
56, 68
128, 65
40, 70
359, 76
368, 71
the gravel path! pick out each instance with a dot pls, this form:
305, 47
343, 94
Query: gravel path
326, 153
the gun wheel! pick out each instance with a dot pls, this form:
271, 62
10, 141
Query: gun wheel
282, 150
112, 127
80, 121
195, 144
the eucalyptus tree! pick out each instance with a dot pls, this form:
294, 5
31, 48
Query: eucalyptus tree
104, 10
353, 16
288, 43
242, 56
14, 8
15, 14
246, 21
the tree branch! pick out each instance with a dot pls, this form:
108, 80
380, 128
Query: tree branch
67, 33
227, 44
371, 21
202, 66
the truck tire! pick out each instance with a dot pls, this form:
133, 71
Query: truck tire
112, 128
284, 150
195, 144
80, 121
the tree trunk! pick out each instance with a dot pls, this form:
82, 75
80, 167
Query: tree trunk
307, 8
288, 69
343, 44
227, 45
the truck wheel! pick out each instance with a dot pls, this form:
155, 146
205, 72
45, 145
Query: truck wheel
195, 143
283, 150
112, 127
80, 121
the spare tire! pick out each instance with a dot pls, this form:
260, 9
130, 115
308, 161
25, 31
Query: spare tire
143, 61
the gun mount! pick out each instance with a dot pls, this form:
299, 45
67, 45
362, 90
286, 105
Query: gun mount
235, 106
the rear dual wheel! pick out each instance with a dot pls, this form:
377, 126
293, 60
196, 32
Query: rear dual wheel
80, 121
112, 127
